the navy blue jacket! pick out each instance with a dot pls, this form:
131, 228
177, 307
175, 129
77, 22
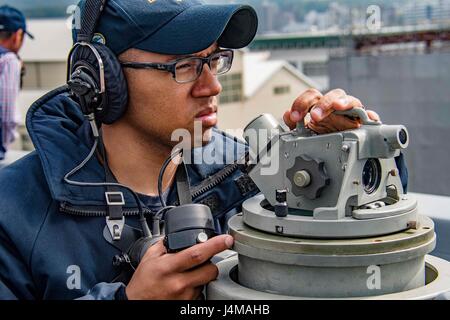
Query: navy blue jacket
52, 232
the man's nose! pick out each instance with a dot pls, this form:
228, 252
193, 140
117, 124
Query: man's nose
207, 85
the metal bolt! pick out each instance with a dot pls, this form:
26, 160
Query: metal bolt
302, 178
356, 183
345, 148
116, 231
393, 172
344, 167
279, 229
412, 225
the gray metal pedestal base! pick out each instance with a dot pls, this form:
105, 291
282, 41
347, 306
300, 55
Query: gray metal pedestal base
226, 287
326, 268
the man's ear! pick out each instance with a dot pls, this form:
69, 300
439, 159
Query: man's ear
17, 39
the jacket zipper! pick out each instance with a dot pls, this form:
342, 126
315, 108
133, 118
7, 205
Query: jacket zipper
212, 181
67, 208
225, 173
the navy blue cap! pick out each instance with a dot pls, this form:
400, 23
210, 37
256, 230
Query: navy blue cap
174, 26
12, 20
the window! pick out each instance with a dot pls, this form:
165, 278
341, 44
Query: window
282, 90
318, 68
232, 88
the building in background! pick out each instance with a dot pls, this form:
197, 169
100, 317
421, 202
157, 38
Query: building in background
425, 11
257, 84
308, 52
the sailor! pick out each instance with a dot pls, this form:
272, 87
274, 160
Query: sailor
12, 33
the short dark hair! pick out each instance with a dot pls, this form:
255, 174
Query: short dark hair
5, 35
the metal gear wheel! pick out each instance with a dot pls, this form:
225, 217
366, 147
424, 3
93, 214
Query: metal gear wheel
308, 177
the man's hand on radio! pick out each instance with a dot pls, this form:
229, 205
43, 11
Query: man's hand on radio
321, 108
176, 276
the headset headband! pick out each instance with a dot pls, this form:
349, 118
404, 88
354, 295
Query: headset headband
94, 74
89, 19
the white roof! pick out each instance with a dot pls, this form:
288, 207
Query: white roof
258, 70
52, 41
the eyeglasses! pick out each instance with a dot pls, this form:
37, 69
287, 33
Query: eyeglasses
189, 69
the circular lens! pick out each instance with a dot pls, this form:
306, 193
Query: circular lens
403, 136
371, 175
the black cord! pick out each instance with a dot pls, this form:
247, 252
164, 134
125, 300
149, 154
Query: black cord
161, 175
142, 220
161, 212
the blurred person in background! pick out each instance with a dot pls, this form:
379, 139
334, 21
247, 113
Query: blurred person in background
12, 32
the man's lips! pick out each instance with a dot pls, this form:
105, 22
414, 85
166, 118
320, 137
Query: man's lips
206, 112
208, 117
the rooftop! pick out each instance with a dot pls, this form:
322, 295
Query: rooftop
258, 69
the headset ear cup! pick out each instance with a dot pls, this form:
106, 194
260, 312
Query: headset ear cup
116, 91
113, 103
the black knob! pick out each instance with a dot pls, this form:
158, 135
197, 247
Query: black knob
281, 195
281, 208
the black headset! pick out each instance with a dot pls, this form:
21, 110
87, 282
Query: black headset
94, 74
